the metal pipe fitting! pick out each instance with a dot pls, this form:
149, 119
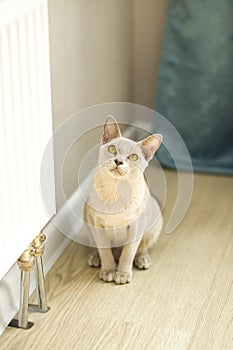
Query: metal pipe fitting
26, 264
38, 250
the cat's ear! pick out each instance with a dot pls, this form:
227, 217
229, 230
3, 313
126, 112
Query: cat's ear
111, 129
150, 145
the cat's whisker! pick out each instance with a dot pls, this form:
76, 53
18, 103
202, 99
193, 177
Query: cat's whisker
101, 186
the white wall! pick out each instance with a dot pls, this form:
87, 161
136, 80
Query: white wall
90, 53
91, 60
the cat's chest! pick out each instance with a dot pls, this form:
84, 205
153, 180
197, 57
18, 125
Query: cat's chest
116, 220
116, 204
120, 214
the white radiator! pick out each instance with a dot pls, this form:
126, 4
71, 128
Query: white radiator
25, 124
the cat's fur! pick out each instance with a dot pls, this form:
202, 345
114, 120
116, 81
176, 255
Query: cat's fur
120, 210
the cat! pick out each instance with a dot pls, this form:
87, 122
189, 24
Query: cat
125, 220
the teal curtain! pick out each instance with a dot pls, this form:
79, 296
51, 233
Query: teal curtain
195, 87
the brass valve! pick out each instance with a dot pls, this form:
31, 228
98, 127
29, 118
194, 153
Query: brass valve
25, 261
38, 245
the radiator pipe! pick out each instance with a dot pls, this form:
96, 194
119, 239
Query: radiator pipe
38, 250
25, 263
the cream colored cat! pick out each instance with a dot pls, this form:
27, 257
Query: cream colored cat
120, 210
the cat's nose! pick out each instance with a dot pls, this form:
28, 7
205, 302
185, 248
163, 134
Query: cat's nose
118, 162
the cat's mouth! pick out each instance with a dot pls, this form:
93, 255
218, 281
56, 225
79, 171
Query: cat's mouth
117, 172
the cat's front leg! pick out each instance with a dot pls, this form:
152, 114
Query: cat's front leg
108, 265
93, 259
124, 271
102, 256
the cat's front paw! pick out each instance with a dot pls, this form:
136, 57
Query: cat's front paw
122, 277
107, 275
93, 260
142, 261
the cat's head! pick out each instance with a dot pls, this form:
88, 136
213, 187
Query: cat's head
120, 157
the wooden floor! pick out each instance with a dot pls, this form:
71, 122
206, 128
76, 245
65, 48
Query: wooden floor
185, 301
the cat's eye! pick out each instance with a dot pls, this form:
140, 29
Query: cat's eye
133, 157
112, 149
